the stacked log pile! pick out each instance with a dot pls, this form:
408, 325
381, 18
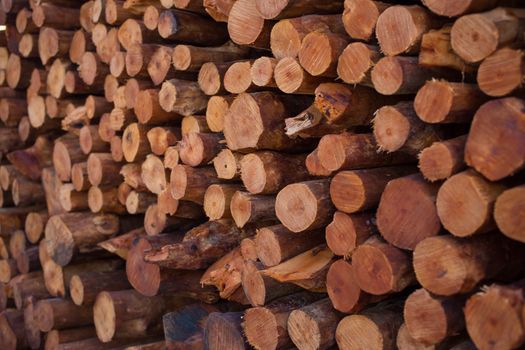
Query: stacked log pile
237, 174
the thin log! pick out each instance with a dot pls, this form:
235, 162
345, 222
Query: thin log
501, 73
251, 209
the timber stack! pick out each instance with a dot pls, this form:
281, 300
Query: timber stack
238, 174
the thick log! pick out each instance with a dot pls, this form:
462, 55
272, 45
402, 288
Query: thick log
32, 332
25, 192
374, 328
159, 66
443, 159
399, 28
52, 42
356, 61
196, 250
238, 78
103, 170
219, 10
137, 57
344, 292
393, 271
162, 138
18, 71
28, 47
217, 199
61, 314
304, 206
275, 244
314, 326
12, 110
113, 311
266, 172
26, 286
436, 51
397, 128
182, 97
252, 209
139, 202
262, 70
157, 221
52, 184
352, 191
291, 78
431, 319
8, 270
187, 183
132, 89
224, 331
211, 77
486, 329
403, 75
79, 177
487, 139
404, 223
465, 203
227, 165
501, 73
68, 233
507, 211
247, 27
347, 231
90, 140
473, 41
191, 28
480, 258
191, 58
440, 101
320, 51
360, 17
216, 111
353, 151
287, 34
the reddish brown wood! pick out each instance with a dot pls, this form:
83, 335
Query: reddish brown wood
443, 159
347, 231
246, 26
60, 314
501, 73
507, 211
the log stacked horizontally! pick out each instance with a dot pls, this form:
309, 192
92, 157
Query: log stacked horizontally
238, 174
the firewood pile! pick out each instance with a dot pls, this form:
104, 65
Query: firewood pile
266, 174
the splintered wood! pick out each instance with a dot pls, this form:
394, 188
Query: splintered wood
262, 174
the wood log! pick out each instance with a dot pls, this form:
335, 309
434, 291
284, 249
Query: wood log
61, 314
139, 202
191, 28
507, 211
26, 286
194, 123
216, 110
347, 231
320, 51
211, 76
356, 61
191, 58
431, 319
489, 138
137, 57
444, 102
401, 223
162, 138
103, 170
57, 339
238, 78
224, 331
105, 200
84, 287
182, 97
27, 46
403, 75
196, 252
66, 152
246, 26
399, 28
120, 245
79, 177
134, 142
218, 9
30, 161
314, 325
132, 176
287, 34
159, 66
360, 17
52, 42
90, 140
227, 165
353, 151
288, 9
17, 243
487, 331
304, 206
12, 330
68, 233
18, 72
443, 159
56, 77
501, 73
117, 65
72, 200
393, 271
187, 183
12, 110
436, 50
314, 166
261, 289
291, 78
199, 148
120, 118
149, 111
217, 199
51, 184
157, 221
374, 328
154, 175
473, 44
454, 9
23, 22
397, 128
262, 70
91, 69
34, 225
250, 209
275, 244
451, 207
112, 311
80, 43
25, 192
358, 190
478, 255
264, 172
56, 16
32, 332
8, 270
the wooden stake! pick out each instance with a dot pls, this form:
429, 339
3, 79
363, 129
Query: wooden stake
404, 223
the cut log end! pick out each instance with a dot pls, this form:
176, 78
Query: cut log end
104, 317
509, 211
289, 75
143, 276
261, 328
391, 128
